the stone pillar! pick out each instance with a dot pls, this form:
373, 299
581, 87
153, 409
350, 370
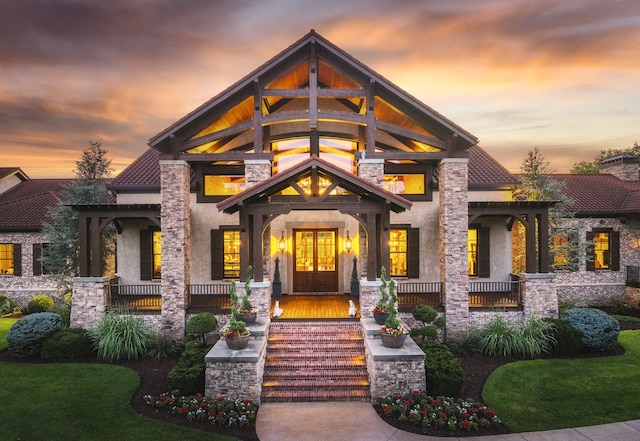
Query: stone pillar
369, 295
175, 179
454, 279
260, 297
371, 170
539, 295
256, 171
89, 301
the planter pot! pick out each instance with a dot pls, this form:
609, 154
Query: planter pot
393, 341
240, 342
249, 319
380, 317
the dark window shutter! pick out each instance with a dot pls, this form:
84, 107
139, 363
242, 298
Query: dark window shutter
484, 252
614, 248
146, 266
217, 255
591, 266
573, 259
413, 253
17, 259
37, 259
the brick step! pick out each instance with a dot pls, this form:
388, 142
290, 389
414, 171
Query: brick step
288, 356
314, 373
327, 347
315, 364
315, 384
275, 396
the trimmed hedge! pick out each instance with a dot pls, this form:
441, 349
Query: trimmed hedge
67, 344
599, 330
200, 324
445, 375
187, 375
40, 304
26, 336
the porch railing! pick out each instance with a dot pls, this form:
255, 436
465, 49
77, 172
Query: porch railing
210, 297
411, 294
139, 298
494, 294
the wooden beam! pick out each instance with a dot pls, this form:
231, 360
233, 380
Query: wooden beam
84, 245
256, 248
371, 119
406, 133
232, 155
413, 156
257, 117
233, 130
322, 93
313, 87
304, 116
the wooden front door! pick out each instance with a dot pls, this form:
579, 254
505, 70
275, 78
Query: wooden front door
315, 267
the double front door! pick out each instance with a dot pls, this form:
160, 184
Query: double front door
315, 268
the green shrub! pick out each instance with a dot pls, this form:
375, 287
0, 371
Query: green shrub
499, 338
466, 343
26, 336
119, 337
40, 304
187, 375
445, 375
568, 340
67, 344
599, 330
6, 305
202, 323
161, 346
430, 323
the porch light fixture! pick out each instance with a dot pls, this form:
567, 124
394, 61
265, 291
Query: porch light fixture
282, 244
347, 243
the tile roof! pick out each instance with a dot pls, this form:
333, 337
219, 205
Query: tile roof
25, 207
144, 173
600, 194
8, 171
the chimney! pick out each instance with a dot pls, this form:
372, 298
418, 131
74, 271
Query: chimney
623, 166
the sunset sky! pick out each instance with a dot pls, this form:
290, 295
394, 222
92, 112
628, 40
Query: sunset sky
563, 76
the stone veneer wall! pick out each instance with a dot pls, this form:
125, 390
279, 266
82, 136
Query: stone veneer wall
23, 288
89, 301
369, 295
256, 171
453, 182
176, 245
371, 170
260, 297
540, 298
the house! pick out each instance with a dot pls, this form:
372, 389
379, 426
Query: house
315, 168
24, 204
606, 208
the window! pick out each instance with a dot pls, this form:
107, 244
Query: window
404, 251
563, 252
6, 258
150, 253
478, 251
225, 253
404, 184
221, 185
398, 252
604, 250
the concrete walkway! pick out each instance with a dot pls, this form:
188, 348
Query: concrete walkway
358, 421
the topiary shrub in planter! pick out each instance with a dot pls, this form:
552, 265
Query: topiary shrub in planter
187, 375
40, 304
599, 330
445, 375
201, 324
567, 339
67, 344
26, 336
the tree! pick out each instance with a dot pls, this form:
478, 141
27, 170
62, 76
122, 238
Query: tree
586, 167
538, 184
61, 254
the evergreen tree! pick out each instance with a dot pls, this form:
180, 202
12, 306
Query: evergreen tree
538, 184
61, 255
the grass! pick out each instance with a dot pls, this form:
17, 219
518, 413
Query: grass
559, 393
5, 324
76, 402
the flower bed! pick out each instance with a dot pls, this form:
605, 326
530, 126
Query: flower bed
440, 412
219, 411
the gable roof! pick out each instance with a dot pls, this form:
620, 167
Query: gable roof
346, 180
600, 194
25, 207
8, 171
286, 73
143, 174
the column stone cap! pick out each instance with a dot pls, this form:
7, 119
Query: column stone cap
537, 276
257, 161
173, 162
453, 160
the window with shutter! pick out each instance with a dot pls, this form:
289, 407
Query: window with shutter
146, 268
7, 259
225, 253
479, 251
603, 250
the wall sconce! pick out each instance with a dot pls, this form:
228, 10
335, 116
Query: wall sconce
347, 243
282, 244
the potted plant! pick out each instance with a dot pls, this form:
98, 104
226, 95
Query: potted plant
245, 311
236, 334
381, 308
393, 333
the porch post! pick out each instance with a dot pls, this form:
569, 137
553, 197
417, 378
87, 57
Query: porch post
453, 225
175, 179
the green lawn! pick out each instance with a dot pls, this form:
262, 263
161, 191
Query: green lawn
558, 393
5, 324
78, 402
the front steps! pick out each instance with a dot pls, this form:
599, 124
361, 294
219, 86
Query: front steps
315, 361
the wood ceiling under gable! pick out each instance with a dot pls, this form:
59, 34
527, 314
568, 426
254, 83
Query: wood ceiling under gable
313, 86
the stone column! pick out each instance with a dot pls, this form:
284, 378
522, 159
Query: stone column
256, 171
89, 301
539, 295
454, 279
369, 295
175, 179
260, 297
371, 170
